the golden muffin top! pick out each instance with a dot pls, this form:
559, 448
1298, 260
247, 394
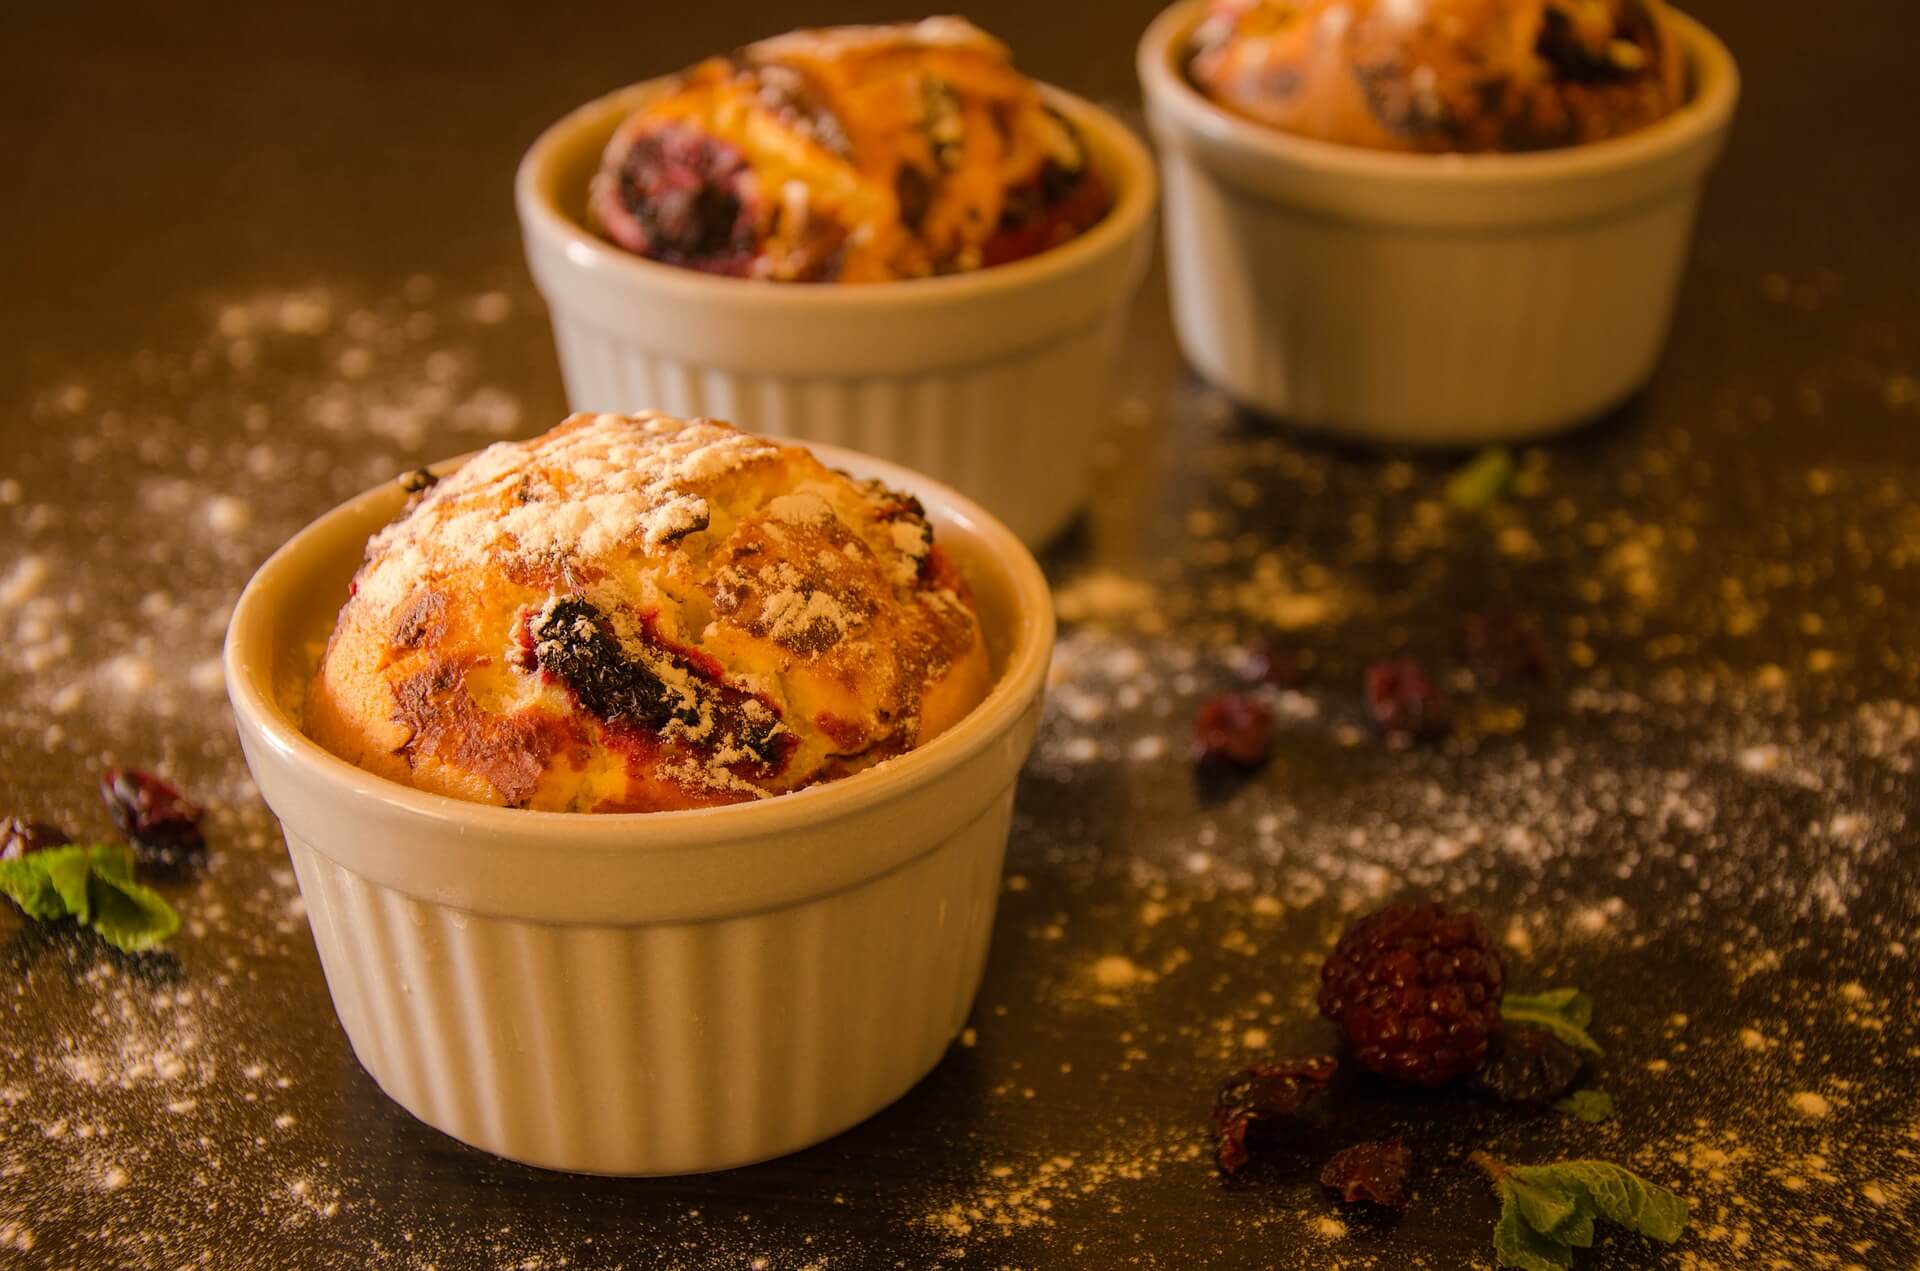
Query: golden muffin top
638, 613
848, 154
1443, 75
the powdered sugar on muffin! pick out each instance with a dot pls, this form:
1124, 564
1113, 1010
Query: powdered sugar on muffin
642, 613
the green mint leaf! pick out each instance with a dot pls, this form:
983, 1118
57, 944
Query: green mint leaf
94, 885
49, 884
1515, 1244
1615, 1194
130, 917
1482, 480
25, 882
67, 869
1591, 1106
112, 862
1563, 1012
1576, 1007
1546, 1210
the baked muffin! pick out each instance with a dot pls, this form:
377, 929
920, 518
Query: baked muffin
849, 154
644, 613
1442, 75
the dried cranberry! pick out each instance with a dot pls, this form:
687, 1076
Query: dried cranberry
1528, 1065
162, 824
1375, 1172
1404, 702
1232, 729
1272, 1107
19, 836
1270, 662
1503, 646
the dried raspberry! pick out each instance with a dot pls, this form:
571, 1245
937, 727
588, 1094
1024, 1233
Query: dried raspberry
1404, 702
19, 836
1528, 1065
162, 824
1503, 646
1416, 992
1232, 729
1375, 1172
1272, 1107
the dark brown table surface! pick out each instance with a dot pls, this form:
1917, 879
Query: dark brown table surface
257, 257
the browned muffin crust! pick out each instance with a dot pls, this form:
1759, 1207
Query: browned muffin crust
849, 154
1443, 75
644, 613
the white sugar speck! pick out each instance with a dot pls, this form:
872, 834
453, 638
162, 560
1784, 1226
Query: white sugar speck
227, 514
1809, 1104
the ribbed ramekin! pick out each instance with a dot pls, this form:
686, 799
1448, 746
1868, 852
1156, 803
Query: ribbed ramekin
655, 993
994, 382
1430, 299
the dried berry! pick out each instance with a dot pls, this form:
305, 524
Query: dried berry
576, 644
1232, 729
1375, 1172
1416, 991
418, 481
1403, 702
1270, 662
684, 198
1527, 1065
162, 824
19, 836
1503, 647
1272, 1108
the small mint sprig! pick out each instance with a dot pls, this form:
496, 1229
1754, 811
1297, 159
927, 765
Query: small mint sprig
1548, 1211
93, 885
1566, 1013
1591, 1106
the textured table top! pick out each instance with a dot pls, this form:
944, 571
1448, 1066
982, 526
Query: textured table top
255, 262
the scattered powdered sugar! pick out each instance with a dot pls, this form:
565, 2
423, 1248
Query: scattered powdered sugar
790, 613
1703, 817
1810, 1104
144, 1107
113, 610
585, 492
802, 507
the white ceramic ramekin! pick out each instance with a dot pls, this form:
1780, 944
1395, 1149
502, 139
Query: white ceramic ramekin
657, 993
1429, 299
994, 382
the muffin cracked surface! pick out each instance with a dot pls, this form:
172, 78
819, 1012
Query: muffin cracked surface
848, 154
641, 613
1443, 75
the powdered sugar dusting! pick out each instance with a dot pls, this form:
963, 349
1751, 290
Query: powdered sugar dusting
628, 484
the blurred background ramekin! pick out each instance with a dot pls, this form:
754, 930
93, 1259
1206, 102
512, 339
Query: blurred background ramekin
994, 382
1419, 298
652, 993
